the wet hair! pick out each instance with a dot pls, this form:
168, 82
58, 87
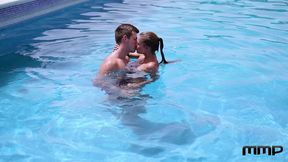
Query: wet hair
151, 40
124, 29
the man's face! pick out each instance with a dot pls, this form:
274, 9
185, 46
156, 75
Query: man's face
132, 42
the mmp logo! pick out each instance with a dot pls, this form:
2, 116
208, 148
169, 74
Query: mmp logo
257, 150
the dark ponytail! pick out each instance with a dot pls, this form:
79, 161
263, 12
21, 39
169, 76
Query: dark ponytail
161, 51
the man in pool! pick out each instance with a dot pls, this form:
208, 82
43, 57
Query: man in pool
126, 40
108, 76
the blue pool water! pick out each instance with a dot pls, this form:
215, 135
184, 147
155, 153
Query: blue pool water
230, 88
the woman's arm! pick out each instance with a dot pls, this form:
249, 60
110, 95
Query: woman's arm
140, 56
135, 55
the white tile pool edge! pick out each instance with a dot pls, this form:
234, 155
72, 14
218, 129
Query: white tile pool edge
7, 3
8, 10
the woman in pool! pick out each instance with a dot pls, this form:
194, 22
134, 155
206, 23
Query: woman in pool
147, 44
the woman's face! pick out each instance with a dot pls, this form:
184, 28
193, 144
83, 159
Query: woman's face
141, 47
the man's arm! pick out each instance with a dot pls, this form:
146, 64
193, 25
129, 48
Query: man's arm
139, 84
110, 88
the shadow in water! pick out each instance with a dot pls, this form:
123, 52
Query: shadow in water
152, 136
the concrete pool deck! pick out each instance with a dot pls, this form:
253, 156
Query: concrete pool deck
14, 11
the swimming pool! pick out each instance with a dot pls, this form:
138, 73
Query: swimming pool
229, 90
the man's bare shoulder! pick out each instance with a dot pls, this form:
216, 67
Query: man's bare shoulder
108, 65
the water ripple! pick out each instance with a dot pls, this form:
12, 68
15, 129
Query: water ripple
234, 60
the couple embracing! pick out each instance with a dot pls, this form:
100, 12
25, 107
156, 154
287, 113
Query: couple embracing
126, 45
